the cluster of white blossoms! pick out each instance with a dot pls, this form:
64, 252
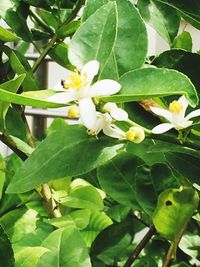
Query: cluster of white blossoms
78, 88
175, 116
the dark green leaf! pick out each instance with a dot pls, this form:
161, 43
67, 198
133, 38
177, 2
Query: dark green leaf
68, 152
6, 252
161, 17
151, 82
59, 53
68, 29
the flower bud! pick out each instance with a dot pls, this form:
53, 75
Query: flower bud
135, 135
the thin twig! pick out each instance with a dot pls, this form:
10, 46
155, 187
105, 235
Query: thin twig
171, 255
140, 246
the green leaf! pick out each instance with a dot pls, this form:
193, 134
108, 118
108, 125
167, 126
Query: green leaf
118, 176
12, 86
182, 61
190, 11
72, 153
6, 252
185, 165
57, 256
28, 256
100, 41
151, 82
128, 54
91, 6
189, 244
97, 223
18, 223
68, 29
59, 53
7, 36
32, 99
174, 209
2, 175
21, 145
161, 17
183, 41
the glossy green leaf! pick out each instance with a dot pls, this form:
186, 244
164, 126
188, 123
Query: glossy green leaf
151, 82
32, 99
98, 222
161, 17
91, 6
57, 256
182, 61
174, 209
183, 41
190, 11
2, 175
10, 86
118, 176
72, 153
28, 256
100, 41
6, 252
7, 36
128, 54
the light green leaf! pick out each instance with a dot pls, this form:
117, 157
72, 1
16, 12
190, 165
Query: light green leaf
21, 145
26, 100
72, 153
28, 256
162, 18
98, 222
57, 256
2, 175
151, 82
10, 86
118, 176
190, 244
99, 43
6, 252
7, 36
183, 41
68, 29
174, 209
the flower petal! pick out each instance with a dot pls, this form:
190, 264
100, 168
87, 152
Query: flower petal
193, 114
91, 69
113, 131
184, 103
119, 114
87, 112
162, 128
104, 87
162, 112
61, 98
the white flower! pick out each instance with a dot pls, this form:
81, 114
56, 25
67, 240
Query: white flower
115, 112
77, 87
175, 115
104, 122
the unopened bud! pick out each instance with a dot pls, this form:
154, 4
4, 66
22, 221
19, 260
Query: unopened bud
135, 135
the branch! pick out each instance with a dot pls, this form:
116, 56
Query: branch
171, 255
55, 36
140, 246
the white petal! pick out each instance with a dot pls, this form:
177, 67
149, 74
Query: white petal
162, 128
162, 112
61, 98
193, 114
104, 87
109, 106
114, 131
119, 114
91, 69
87, 112
184, 103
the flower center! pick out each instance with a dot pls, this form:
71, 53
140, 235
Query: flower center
175, 107
76, 80
73, 113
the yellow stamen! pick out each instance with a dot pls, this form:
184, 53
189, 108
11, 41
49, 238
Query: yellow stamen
76, 81
175, 107
73, 112
135, 135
